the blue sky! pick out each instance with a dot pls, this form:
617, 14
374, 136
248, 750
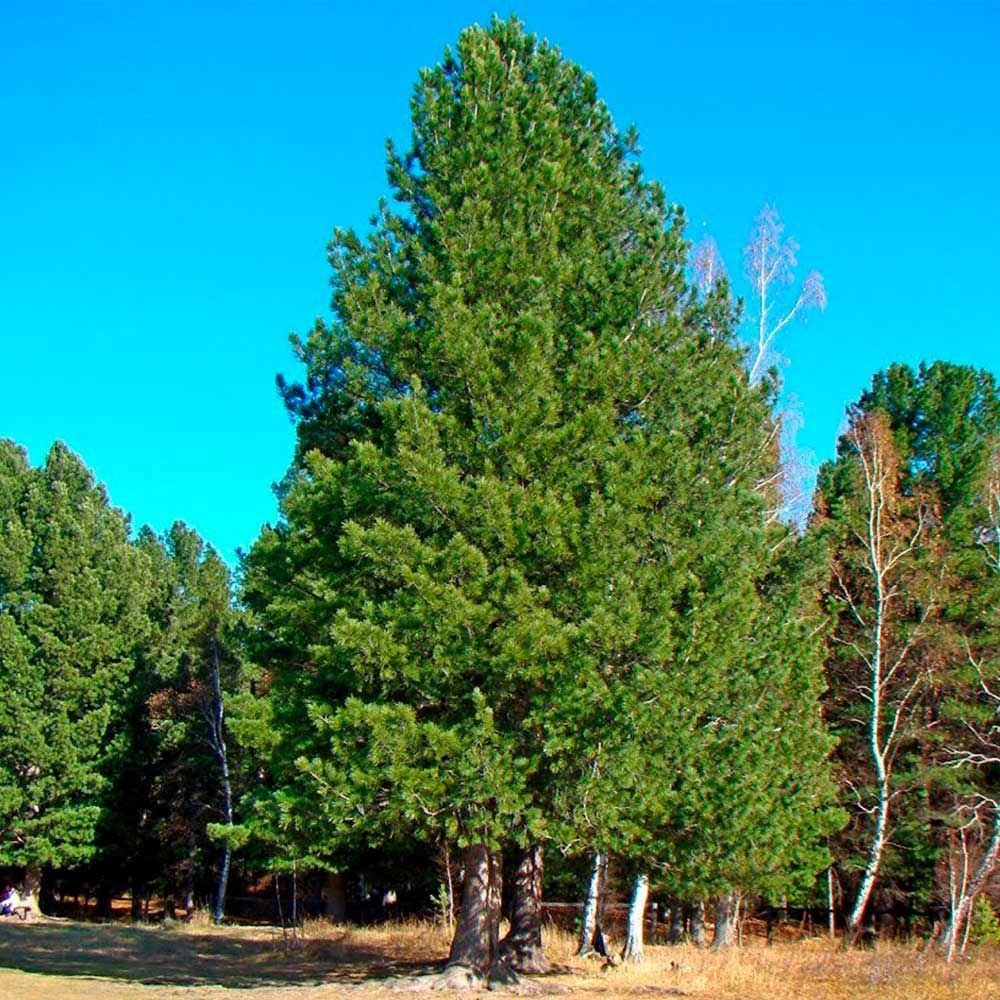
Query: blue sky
171, 173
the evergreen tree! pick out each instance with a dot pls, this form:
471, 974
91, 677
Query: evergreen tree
172, 772
72, 614
523, 531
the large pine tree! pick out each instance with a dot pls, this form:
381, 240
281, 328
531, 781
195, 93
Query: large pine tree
523, 553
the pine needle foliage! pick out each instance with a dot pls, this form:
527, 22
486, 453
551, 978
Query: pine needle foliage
521, 588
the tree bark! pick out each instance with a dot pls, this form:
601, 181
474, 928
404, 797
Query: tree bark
698, 924
135, 890
31, 886
725, 926
522, 947
219, 911
675, 935
335, 906
633, 950
831, 913
854, 929
475, 946
589, 928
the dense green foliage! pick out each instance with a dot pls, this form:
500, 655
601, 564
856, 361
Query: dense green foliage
72, 616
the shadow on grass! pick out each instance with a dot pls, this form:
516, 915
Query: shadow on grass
174, 957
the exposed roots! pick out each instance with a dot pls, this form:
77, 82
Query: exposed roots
461, 979
528, 960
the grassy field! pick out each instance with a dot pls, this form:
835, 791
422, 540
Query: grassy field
56, 960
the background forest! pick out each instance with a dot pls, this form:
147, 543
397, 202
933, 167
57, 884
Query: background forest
546, 593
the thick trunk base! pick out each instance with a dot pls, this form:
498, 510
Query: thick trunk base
476, 945
529, 960
522, 948
459, 979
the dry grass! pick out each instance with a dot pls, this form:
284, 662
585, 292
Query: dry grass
57, 960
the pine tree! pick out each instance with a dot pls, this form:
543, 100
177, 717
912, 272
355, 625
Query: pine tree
171, 774
523, 528
72, 614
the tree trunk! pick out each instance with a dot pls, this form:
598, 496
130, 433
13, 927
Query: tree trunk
135, 890
725, 925
595, 890
961, 906
853, 929
218, 731
698, 924
831, 912
190, 862
633, 950
522, 947
219, 911
676, 933
475, 947
335, 906
32, 884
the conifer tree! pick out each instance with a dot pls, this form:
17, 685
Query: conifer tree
171, 774
72, 614
522, 528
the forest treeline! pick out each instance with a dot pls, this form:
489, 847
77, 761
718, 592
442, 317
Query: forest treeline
531, 599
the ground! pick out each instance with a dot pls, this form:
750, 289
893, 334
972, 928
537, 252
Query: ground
61, 960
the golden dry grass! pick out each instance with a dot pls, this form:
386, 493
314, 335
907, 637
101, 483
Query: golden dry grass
57, 960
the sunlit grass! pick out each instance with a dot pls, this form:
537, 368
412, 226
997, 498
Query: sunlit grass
71, 961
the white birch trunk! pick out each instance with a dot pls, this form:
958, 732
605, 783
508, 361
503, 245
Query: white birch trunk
961, 907
633, 950
595, 887
830, 912
218, 742
887, 710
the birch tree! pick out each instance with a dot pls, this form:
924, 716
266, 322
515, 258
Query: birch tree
943, 421
589, 921
770, 259
880, 622
634, 951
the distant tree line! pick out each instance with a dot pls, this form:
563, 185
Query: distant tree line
534, 604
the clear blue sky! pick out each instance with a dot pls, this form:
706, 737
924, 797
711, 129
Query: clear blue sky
171, 173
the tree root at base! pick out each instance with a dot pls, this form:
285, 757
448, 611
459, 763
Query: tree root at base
460, 978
